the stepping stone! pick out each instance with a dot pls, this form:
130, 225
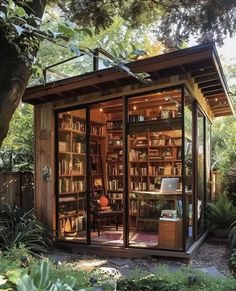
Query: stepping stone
211, 271
121, 262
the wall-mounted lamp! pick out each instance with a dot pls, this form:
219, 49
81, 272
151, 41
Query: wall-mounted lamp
46, 173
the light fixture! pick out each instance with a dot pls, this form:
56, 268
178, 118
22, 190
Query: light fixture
146, 99
160, 107
168, 98
134, 107
216, 99
101, 109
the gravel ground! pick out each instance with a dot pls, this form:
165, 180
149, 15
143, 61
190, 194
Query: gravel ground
211, 254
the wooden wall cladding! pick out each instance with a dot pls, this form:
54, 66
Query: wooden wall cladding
44, 156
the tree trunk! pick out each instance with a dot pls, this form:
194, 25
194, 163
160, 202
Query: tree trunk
14, 75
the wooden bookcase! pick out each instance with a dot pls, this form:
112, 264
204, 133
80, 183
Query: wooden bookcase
153, 157
114, 163
72, 169
155, 152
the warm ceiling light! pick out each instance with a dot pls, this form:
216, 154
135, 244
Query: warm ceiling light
134, 107
101, 109
160, 107
216, 99
146, 99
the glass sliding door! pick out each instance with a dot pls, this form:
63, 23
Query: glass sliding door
72, 176
188, 170
200, 195
106, 169
155, 170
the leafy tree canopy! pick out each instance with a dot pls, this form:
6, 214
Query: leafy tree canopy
173, 21
17, 151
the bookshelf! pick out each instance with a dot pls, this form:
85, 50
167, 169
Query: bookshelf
72, 169
152, 157
114, 162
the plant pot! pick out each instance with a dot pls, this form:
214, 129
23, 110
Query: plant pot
220, 233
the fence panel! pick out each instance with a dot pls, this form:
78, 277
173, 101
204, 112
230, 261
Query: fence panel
17, 189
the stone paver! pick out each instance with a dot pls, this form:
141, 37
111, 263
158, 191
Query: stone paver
215, 266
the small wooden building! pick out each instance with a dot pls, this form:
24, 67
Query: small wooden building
122, 165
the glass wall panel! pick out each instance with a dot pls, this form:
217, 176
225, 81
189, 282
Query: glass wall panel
200, 173
208, 160
155, 170
106, 157
72, 201
188, 155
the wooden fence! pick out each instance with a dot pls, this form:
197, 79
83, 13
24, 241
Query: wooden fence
17, 189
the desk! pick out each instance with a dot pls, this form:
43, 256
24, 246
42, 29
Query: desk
145, 197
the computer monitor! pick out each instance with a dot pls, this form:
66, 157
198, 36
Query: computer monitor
169, 185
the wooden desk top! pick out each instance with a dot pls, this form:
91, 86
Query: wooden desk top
158, 193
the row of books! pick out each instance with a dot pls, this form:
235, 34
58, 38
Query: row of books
114, 125
114, 169
68, 185
78, 125
138, 171
64, 146
165, 142
78, 147
72, 224
96, 130
138, 186
65, 122
137, 155
177, 170
65, 167
160, 170
114, 184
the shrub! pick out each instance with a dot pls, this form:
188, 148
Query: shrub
221, 213
232, 259
186, 279
232, 235
18, 227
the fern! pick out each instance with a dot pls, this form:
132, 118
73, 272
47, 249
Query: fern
222, 213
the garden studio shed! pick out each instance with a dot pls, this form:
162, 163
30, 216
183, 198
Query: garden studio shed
122, 165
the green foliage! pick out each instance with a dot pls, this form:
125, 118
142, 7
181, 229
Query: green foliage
44, 275
221, 213
15, 253
185, 279
223, 131
173, 22
120, 41
37, 279
232, 235
17, 151
17, 227
232, 259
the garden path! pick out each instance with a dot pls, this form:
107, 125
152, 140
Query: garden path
212, 258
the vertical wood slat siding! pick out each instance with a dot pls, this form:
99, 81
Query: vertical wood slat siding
16, 189
44, 155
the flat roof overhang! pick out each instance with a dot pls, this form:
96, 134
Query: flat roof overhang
201, 62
